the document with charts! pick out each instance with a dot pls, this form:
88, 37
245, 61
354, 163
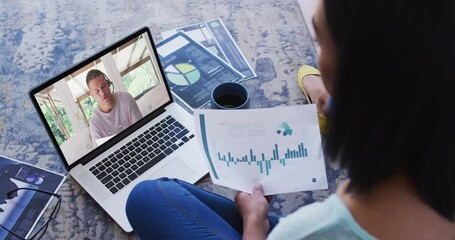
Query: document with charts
279, 148
192, 71
20, 211
216, 38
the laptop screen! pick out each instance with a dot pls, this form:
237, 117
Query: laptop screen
104, 96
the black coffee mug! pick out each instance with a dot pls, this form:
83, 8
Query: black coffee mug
230, 95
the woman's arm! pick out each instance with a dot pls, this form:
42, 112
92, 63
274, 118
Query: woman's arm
253, 209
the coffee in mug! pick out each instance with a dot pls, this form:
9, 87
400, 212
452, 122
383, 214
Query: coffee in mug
230, 96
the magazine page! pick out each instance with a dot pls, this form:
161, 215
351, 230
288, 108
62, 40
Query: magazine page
214, 36
279, 148
192, 71
20, 211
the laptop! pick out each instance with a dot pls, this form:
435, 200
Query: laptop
158, 143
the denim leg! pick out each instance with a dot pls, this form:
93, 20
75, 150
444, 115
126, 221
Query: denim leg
224, 207
173, 209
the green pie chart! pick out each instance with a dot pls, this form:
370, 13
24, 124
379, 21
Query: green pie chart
182, 74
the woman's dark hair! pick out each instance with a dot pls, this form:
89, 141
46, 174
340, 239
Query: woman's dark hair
394, 95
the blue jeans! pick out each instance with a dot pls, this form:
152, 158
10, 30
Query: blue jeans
174, 209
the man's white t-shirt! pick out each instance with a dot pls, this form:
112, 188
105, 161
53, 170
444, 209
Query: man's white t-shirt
124, 114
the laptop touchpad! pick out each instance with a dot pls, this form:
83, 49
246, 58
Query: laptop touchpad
174, 169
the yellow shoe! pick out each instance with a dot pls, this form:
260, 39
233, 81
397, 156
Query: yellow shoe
309, 70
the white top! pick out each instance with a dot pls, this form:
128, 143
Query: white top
124, 114
330, 219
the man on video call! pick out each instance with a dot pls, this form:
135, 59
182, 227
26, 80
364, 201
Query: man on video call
115, 112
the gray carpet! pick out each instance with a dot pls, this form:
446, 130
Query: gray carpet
41, 38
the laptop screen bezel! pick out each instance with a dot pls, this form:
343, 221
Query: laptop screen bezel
102, 148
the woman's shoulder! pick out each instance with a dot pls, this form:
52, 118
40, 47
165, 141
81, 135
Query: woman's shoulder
329, 219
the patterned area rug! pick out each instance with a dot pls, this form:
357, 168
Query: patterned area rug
42, 38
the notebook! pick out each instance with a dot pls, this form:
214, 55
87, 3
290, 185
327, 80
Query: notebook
122, 126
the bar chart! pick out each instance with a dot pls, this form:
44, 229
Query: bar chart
274, 147
264, 162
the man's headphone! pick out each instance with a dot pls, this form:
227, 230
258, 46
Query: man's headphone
109, 83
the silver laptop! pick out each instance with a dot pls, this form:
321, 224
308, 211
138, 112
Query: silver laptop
108, 159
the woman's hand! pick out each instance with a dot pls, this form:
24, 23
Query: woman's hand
253, 209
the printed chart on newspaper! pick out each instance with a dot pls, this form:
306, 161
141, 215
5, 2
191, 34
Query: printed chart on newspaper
192, 71
214, 36
21, 211
277, 147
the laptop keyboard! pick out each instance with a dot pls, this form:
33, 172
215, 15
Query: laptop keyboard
141, 153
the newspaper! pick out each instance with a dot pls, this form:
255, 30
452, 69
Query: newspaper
192, 71
279, 148
21, 211
216, 38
